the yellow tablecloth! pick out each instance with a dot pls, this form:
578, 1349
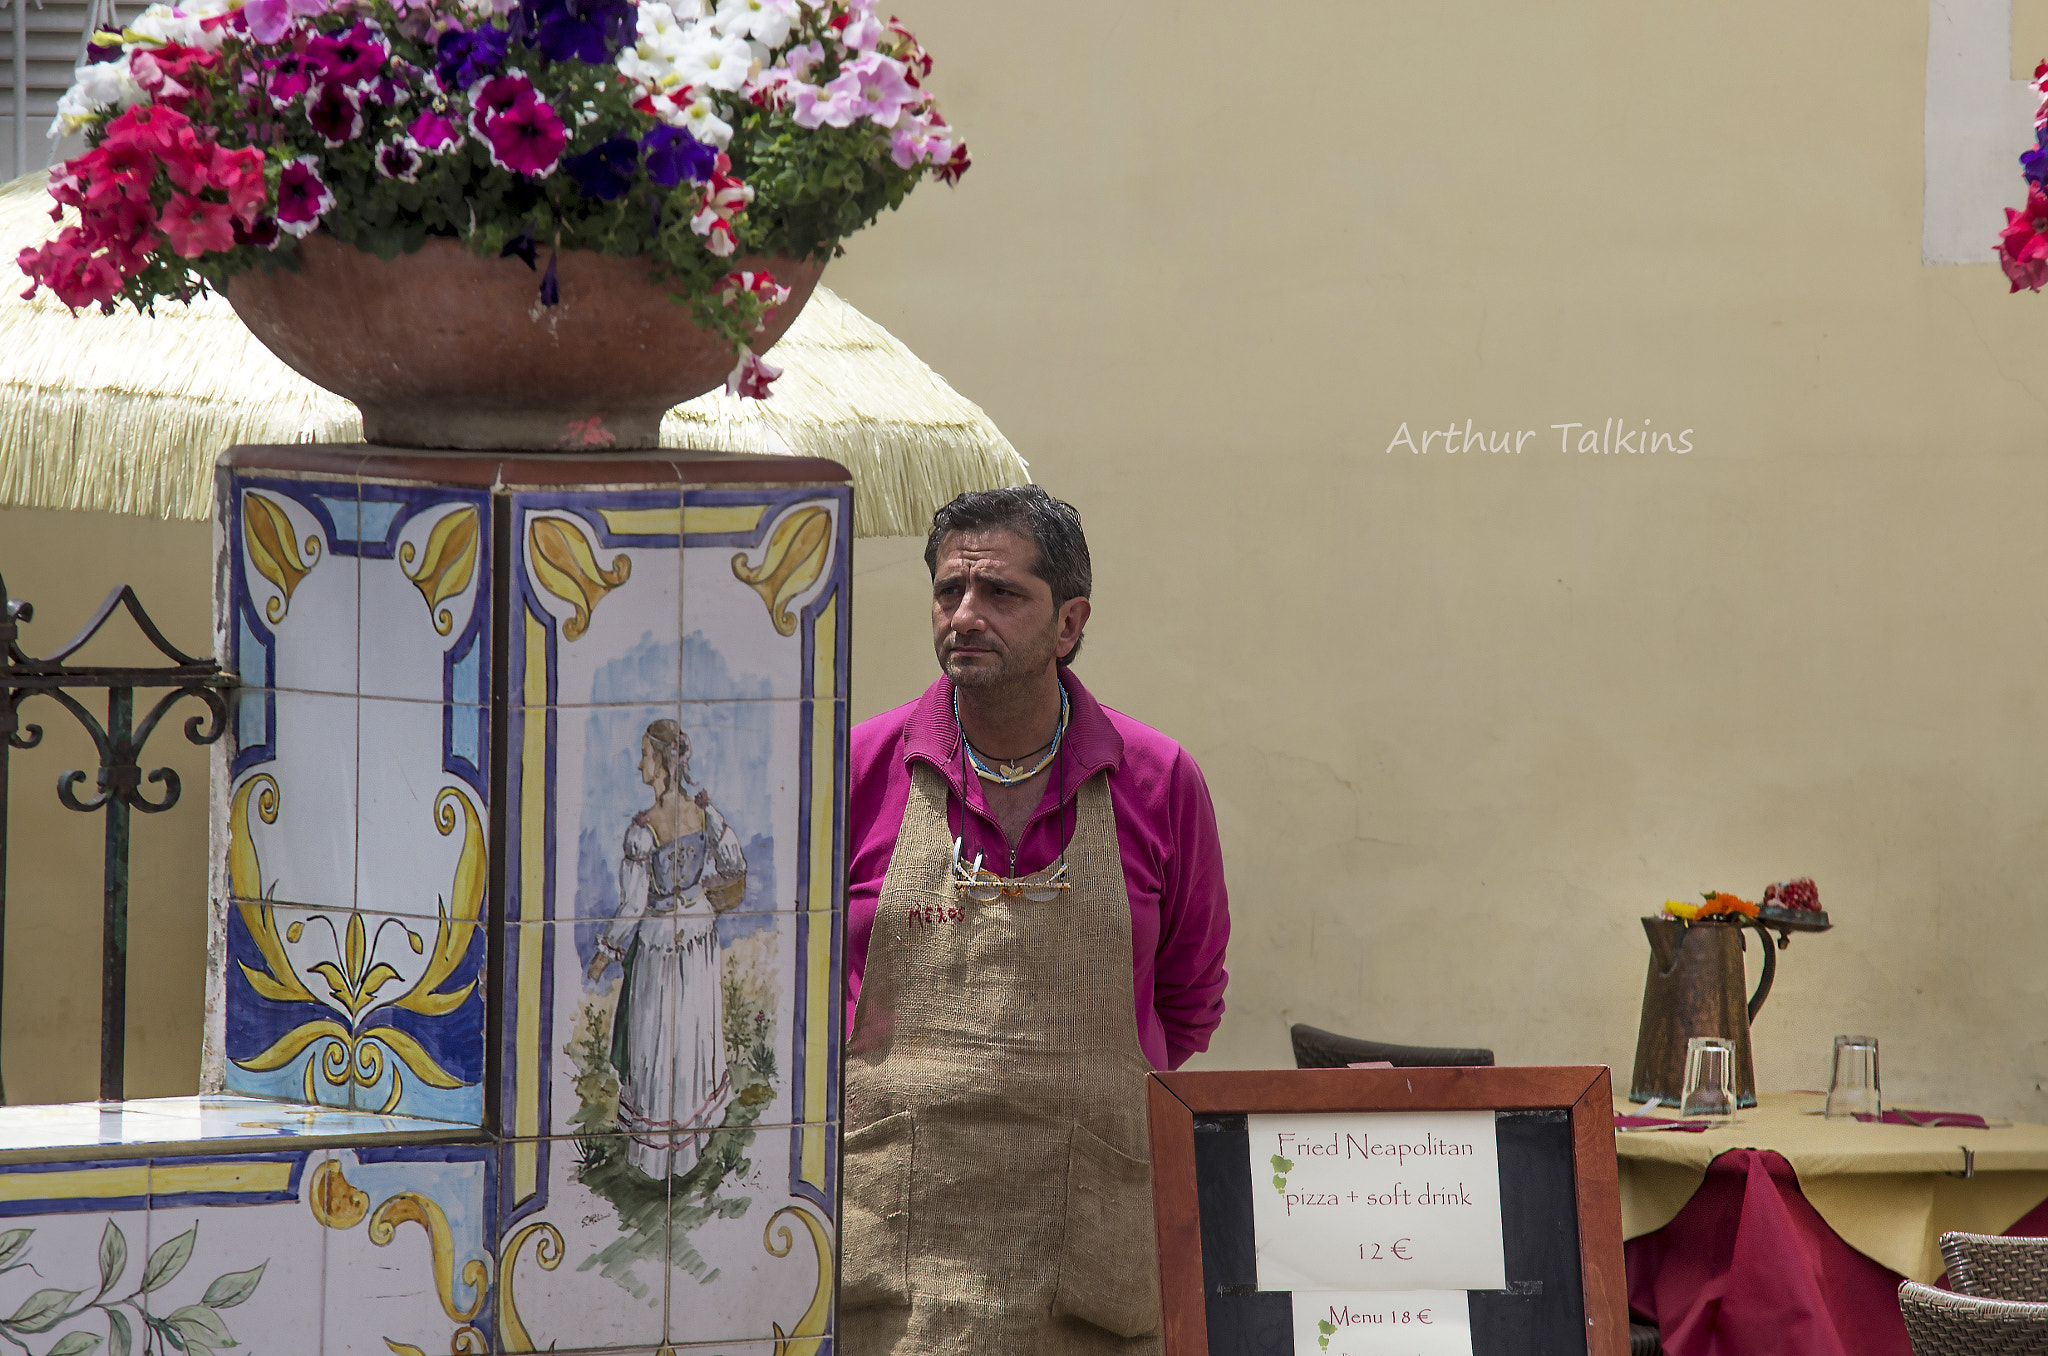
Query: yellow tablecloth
1888, 1191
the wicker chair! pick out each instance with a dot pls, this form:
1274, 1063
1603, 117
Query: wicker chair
1644, 1340
1318, 1049
1943, 1323
1991, 1267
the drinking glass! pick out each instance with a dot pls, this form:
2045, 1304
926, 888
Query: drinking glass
1709, 1080
1853, 1088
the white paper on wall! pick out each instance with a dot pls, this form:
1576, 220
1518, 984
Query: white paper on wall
1382, 1323
1386, 1200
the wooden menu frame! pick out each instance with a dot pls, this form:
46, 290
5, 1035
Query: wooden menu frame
1586, 1092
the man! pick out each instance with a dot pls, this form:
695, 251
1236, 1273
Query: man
1036, 918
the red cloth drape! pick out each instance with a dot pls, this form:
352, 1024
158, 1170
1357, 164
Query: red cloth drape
1748, 1268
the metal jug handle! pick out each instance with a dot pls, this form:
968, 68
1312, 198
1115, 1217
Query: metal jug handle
1763, 983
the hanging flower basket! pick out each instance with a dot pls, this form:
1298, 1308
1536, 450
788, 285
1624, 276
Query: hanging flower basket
493, 222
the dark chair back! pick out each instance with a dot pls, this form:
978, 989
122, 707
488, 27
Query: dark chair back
1318, 1049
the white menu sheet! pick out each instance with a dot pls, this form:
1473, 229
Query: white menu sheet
1377, 1201
1382, 1323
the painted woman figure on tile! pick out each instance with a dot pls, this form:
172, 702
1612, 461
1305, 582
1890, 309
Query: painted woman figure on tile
682, 867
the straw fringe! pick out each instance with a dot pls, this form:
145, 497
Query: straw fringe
127, 413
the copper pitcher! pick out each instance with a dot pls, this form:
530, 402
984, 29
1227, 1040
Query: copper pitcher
1695, 989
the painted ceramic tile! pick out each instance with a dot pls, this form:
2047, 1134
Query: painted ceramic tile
74, 1241
294, 585
609, 1234
231, 1255
292, 801
751, 1259
380, 1012
731, 770
410, 1246
597, 619
424, 617
421, 813
764, 610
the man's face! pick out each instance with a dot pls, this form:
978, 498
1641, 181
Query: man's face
993, 621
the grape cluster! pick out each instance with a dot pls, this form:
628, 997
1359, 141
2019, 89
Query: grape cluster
1793, 894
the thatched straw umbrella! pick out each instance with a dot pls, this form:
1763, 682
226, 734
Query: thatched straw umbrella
127, 413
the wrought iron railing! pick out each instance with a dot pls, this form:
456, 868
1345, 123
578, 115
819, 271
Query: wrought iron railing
118, 784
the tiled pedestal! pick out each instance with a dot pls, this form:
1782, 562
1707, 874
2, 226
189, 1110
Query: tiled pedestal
451, 668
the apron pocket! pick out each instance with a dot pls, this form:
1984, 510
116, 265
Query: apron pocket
1109, 1268
874, 1230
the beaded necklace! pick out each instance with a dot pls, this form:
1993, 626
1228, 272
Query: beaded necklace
1009, 774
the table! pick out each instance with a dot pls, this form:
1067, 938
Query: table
1788, 1232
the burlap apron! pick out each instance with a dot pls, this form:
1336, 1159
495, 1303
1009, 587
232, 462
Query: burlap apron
998, 1183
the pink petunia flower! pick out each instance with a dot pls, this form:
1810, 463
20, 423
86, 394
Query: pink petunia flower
2023, 244
884, 92
837, 103
302, 198
150, 127
239, 174
267, 20
193, 227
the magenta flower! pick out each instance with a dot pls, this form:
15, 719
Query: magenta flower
351, 57
336, 112
302, 199
194, 227
526, 138
433, 132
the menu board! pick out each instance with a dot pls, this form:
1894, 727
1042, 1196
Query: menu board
1399, 1212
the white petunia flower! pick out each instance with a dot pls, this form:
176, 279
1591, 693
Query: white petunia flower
767, 21
94, 89
161, 24
700, 119
709, 61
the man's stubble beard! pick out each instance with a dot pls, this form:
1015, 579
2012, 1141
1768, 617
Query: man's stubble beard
1016, 667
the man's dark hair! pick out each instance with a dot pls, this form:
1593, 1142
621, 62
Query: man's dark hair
1050, 525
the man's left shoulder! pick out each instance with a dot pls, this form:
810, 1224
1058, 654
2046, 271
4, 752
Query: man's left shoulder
1149, 755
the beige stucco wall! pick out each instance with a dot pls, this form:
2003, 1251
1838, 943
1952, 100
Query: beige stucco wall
1465, 717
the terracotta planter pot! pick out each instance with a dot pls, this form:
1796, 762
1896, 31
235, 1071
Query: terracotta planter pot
441, 348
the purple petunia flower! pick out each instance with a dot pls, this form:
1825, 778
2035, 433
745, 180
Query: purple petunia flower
302, 199
336, 112
550, 284
585, 30
673, 155
464, 56
606, 170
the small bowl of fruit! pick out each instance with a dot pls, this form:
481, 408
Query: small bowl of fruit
1793, 906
